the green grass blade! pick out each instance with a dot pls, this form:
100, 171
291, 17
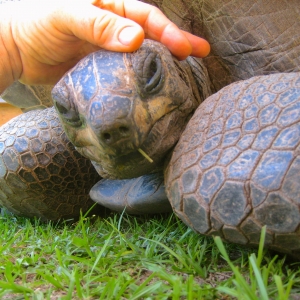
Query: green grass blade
145, 291
261, 246
173, 253
241, 283
100, 254
50, 278
258, 277
16, 288
280, 288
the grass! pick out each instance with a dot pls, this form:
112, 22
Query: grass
126, 257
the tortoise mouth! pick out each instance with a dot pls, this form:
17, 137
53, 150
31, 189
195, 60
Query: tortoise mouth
118, 155
129, 154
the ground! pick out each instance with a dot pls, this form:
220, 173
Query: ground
126, 257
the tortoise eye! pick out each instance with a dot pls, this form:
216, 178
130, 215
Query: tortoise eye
70, 116
148, 68
152, 72
60, 108
64, 108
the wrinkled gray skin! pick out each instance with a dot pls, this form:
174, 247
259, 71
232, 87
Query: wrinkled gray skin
28, 97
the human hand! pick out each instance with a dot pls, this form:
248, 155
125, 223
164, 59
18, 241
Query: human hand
43, 39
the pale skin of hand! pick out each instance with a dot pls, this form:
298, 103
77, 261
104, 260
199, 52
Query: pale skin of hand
42, 39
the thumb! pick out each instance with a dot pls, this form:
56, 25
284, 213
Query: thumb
101, 28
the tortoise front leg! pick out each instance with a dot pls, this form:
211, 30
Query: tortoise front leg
142, 195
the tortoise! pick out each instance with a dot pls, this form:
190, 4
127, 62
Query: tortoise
213, 170
235, 166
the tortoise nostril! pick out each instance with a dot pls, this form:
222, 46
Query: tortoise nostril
114, 133
123, 130
107, 136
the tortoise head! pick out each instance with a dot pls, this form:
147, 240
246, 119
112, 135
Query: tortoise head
113, 105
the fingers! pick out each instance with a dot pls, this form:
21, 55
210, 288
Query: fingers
121, 25
200, 46
101, 27
157, 27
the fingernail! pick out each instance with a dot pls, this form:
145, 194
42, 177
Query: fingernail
128, 34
